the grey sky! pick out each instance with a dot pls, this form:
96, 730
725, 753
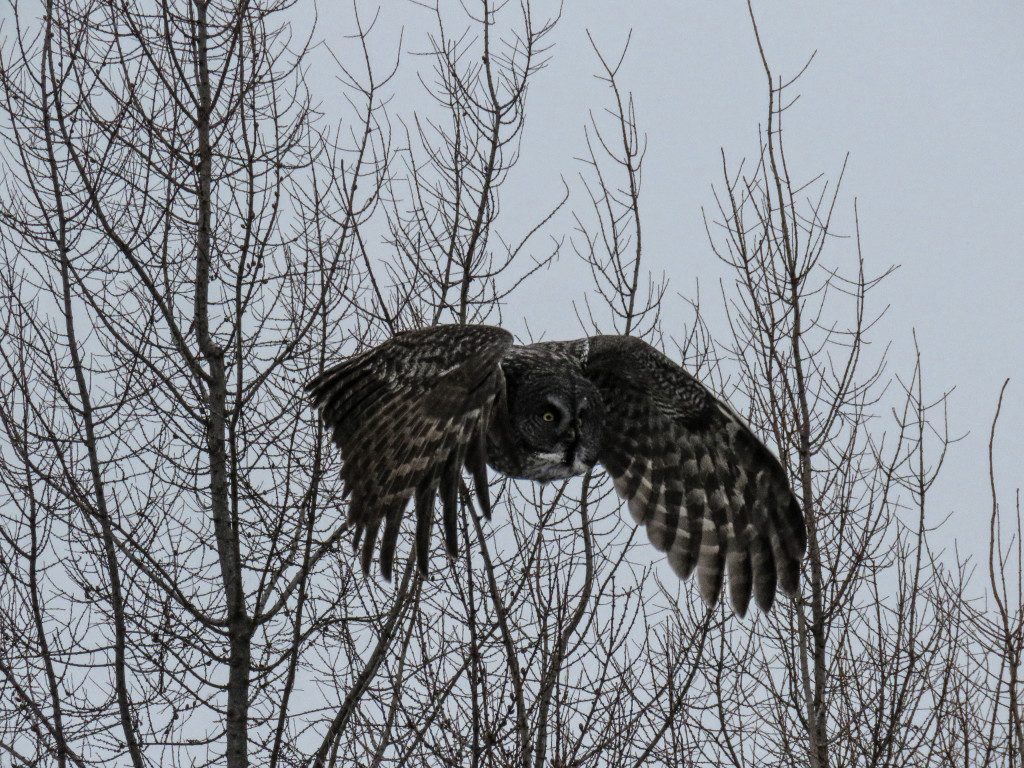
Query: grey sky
928, 99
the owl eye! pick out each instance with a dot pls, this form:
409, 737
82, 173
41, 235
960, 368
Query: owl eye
548, 416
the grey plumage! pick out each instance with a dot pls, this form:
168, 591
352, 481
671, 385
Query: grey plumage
409, 414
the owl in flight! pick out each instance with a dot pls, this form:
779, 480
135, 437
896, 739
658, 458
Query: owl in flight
409, 414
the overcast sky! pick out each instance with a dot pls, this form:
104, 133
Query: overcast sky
927, 99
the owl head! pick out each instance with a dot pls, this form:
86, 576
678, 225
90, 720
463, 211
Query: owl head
555, 420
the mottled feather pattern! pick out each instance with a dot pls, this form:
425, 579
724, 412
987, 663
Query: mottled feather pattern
403, 414
709, 493
409, 414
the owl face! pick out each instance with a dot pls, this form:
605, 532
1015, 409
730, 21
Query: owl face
557, 423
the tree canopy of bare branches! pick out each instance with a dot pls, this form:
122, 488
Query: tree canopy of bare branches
188, 235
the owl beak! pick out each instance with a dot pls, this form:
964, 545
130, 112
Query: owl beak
574, 430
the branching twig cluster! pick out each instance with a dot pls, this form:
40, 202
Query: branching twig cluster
186, 238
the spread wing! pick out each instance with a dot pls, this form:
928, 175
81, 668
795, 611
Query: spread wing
407, 415
710, 494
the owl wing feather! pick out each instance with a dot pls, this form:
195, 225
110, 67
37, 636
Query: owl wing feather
710, 494
407, 416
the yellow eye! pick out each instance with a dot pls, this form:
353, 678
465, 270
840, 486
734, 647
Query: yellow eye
548, 416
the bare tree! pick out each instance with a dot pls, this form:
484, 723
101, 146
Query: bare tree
187, 237
1002, 630
178, 228
873, 666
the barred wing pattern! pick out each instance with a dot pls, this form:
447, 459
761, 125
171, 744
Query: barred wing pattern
407, 415
710, 494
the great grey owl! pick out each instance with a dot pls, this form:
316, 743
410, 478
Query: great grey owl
411, 412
